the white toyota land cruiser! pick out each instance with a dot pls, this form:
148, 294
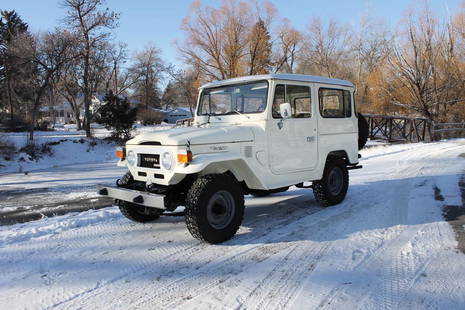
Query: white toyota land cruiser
250, 135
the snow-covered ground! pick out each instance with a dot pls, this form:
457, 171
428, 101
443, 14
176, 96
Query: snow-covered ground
386, 246
61, 182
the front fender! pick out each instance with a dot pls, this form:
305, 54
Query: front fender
220, 163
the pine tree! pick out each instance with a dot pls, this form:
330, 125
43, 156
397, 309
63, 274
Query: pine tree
259, 49
11, 27
117, 114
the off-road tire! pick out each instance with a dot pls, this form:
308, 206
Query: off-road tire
324, 192
125, 180
138, 213
199, 199
363, 131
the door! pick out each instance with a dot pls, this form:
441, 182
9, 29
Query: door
293, 141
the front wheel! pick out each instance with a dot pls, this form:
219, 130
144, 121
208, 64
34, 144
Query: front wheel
214, 208
332, 188
138, 213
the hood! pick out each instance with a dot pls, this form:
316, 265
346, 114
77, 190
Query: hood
196, 135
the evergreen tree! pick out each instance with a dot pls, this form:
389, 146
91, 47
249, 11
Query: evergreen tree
259, 49
117, 114
11, 27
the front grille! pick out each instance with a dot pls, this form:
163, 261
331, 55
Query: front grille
150, 143
149, 161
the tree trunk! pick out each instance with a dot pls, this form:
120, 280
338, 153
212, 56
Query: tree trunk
87, 95
77, 118
10, 100
33, 118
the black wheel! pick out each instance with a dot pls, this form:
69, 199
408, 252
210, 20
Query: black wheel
264, 193
138, 213
214, 208
127, 179
363, 131
332, 188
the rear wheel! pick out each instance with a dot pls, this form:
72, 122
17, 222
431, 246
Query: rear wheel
332, 188
214, 208
138, 213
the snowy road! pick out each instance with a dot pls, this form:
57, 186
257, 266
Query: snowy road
386, 246
55, 190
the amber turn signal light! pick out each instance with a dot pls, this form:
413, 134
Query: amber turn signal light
185, 157
121, 153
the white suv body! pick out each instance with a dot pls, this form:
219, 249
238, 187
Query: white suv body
239, 129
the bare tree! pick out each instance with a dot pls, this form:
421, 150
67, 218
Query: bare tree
371, 46
68, 86
185, 84
230, 41
288, 46
327, 50
147, 71
46, 54
423, 71
120, 78
87, 19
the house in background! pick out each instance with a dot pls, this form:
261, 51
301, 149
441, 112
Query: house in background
172, 116
63, 113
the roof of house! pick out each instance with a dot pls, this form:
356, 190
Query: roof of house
281, 76
179, 110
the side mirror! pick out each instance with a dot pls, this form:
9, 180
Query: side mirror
285, 110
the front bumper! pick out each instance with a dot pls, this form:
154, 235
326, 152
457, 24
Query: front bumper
133, 196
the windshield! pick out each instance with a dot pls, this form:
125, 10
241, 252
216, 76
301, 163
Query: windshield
234, 99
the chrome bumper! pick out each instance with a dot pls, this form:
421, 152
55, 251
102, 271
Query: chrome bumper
133, 196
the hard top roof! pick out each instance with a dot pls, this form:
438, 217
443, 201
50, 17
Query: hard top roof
281, 76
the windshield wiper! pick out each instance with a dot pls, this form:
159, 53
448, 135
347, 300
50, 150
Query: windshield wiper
235, 111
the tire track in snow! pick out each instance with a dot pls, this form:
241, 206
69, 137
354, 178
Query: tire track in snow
83, 238
194, 253
353, 207
277, 236
302, 259
397, 276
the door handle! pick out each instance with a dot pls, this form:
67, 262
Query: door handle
311, 139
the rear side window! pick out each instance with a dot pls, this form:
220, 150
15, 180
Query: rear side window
299, 98
335, 103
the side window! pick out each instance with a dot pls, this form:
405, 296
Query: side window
279, 97
299, 98
347, 104
334, 103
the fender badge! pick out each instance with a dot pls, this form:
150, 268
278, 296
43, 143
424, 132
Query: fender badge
218, 148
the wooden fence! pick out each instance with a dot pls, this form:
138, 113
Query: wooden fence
411, 129
399, 128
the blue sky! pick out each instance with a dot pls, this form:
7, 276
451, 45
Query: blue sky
158, 21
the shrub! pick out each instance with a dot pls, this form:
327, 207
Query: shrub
17, 124
6, 148
149, 116
36, 151
43, 126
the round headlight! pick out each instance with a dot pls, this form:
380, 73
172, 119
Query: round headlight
131, 158
167, 160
